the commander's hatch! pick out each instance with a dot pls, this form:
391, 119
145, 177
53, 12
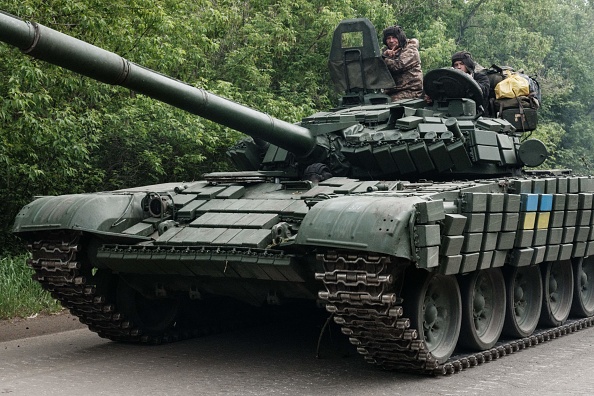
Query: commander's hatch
356, 65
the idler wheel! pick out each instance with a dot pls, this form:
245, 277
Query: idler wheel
483, 309
583, 290
523, 292
152, 316
557, 283
432, 302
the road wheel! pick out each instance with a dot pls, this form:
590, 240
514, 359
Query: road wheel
432, 302
583, 288
557, 283
483, 309
523, 290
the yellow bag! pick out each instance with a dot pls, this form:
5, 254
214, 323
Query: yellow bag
512, 86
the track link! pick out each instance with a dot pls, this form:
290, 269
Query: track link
362, 294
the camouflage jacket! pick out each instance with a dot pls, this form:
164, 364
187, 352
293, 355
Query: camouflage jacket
405, 68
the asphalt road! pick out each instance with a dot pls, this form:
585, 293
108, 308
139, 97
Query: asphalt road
275, 359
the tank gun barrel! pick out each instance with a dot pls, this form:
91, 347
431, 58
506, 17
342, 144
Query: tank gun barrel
78, 56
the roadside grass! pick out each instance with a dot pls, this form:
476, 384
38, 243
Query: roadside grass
21, 296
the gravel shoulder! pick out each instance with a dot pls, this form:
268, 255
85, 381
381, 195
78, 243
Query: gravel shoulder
18, 328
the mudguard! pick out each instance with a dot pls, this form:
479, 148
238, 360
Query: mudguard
373, 223
100, 212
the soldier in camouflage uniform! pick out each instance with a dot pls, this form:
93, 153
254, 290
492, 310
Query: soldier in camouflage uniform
404, 63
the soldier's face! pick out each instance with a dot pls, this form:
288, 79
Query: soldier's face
460, 66
392, 42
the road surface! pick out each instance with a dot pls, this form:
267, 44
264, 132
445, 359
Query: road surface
276, 359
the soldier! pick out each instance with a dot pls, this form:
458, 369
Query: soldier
404, 63
463, 61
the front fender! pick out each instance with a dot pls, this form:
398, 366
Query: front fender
372, 223
100, 212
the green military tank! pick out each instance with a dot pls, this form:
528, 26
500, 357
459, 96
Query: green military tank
417, 225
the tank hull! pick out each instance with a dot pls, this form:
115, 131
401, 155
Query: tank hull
268, 242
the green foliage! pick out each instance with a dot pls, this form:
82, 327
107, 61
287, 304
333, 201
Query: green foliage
551, 134
505, 32
19, 294
577, 148
436, 47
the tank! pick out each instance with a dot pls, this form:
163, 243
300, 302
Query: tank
419, 227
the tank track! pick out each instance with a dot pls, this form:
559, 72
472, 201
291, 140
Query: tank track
362, 295
54, 260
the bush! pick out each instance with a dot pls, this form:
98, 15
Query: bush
20, 295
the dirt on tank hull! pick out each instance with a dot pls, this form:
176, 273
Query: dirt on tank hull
424, 276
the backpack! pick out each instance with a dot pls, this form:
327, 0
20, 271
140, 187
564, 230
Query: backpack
514, 96
497, 74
